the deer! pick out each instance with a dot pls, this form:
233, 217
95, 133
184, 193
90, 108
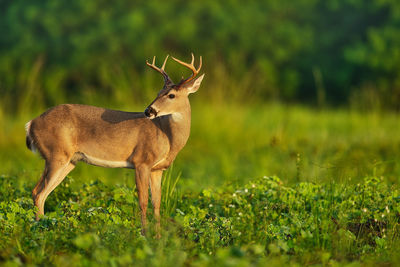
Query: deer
147, 142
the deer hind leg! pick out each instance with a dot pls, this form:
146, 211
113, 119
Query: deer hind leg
155, 186
142, 186
53, 174
39, 186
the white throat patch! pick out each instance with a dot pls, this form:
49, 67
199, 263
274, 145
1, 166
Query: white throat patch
176, 116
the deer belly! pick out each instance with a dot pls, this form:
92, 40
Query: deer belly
101, 162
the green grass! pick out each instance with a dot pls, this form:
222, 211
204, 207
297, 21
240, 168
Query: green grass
336, 202
235, 143
261, 222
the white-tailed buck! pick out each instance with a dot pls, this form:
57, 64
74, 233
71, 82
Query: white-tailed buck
145, 141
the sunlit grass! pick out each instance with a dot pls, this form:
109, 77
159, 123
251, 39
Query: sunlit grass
232, 142
216, 205
262, 222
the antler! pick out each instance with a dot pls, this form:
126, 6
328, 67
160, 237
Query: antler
191, 67
167, 79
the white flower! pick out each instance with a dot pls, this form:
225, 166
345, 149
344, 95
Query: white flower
365, 210
240, 214
253, 185
246, 190
383, 215
387, 209
231, 206
211, 205
234, 194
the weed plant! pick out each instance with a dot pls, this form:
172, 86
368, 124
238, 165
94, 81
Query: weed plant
264, 221
337, 201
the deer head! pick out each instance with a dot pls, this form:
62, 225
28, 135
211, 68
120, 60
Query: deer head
173, 98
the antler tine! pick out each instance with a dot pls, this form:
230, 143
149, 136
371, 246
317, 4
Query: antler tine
192, 59
191, 67
201, 62
165, 61
167, 79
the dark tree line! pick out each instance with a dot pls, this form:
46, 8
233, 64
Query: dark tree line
315, 51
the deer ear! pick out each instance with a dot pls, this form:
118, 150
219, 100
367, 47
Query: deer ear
194, 85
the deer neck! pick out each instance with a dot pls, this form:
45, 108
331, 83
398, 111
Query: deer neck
178, 128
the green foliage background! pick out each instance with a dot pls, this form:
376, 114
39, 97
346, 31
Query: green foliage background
314, 51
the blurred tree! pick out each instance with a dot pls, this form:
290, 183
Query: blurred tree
81, 51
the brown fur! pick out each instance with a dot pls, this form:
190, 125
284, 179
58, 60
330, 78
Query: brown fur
69, 133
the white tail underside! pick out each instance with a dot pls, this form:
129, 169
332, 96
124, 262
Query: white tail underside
28, 133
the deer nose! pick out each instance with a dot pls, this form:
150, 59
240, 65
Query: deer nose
149, 111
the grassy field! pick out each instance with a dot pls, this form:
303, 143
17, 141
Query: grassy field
234, 143
336, 200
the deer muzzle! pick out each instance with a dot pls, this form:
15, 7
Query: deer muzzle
150, 112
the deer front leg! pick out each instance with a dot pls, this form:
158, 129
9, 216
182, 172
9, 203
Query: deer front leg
142, 186
155, 185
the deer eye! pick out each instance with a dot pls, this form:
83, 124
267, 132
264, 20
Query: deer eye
171, 96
